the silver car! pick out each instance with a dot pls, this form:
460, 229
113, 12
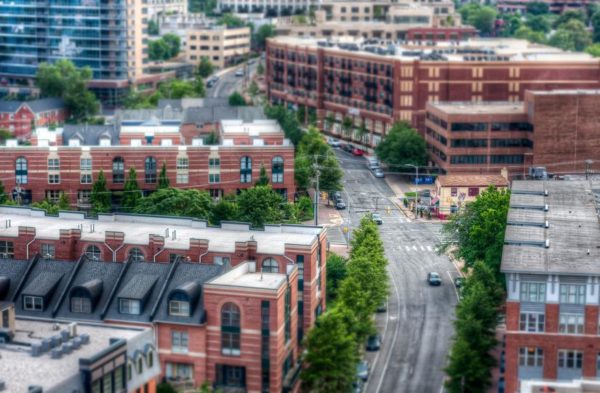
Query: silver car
378, 172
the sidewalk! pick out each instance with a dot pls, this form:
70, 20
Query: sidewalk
400, 186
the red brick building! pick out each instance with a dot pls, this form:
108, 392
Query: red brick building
229, 305
550, 263
556, 6
375, 84
21, 118
555, 129
61, 162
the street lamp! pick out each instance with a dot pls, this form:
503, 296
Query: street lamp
416, 183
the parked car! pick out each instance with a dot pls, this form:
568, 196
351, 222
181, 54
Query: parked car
212, 81
357, 386
372, 163
377, 218
340, 205
333, 142
348, 147
251, 61
374, 343
378, 173
358, 152
458, 282
336, 196
382, 306
239, 72
433, 278
362, 370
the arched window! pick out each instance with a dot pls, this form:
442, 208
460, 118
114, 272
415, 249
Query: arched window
277, 170
139, 364
21, 170
137, 254
246, 170
129, 370
270, 265
118, 170
230, 329
150, 170
150, 358
93, 252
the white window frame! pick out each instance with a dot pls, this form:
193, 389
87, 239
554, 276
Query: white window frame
570, 356
53, 178
183, 163
48, 251
130, 306
53, 164
179, 341
572, 293
533, 292
531, 321
571, 323
183, 178
37, 303
179, 308
531, 357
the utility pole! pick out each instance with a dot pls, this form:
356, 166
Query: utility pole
317, 173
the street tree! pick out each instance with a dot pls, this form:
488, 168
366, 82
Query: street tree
402, 145
236, 99
63, 202
347, 126
173, 42
353, 297
260, 37
260, 68
100, 196
314, 154
176, 202
537, 8
538, 23
131, 191
331, 355
287, 120
253, 89
336, 272
260, 205
153, 28
205, 67
163, 179
263, 177
224, 210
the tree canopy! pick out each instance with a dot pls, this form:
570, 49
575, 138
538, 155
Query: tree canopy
205, 67
260, 205
287, 120
260, 37
572, 35
164, 48
231, 20
236, 99
402, 145
481, 17
312, 154
100, 196
131, 191
537, 8
176, 202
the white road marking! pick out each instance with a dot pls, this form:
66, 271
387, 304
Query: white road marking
415, 247
407, 248
429, 248
422, 248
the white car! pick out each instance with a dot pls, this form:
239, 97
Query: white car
333, 142
239, 72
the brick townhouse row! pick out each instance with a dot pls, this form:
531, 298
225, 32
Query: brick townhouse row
229, 305
550, 260
45, 170
21, 117
376, 82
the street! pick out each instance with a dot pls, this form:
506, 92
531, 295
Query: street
228, 82
417, 327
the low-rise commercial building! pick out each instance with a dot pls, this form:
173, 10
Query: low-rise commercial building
550, 261
21, 118
454, 191
229, 305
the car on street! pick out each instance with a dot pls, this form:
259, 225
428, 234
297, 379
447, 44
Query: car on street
336, 196
362, 370
239, 72
357, 386
251, 61
378, 173
377, 218
374, 342
459, 282
348, 147
340, 204
358, 152
434, 279
212, 81
333, 142
382, 306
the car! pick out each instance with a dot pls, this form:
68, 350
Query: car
239, 72
362, 370
358, 152
348, 147
377, 218
333, 142
251, 61
372, 163
434, 279
336, 196
340, 205
378, 173
382, 306
211, 82
357, 386
459, 282
374, 342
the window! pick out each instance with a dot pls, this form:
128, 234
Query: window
183, 178
246, 170
531, 322
93, 252
288, 313
277, 170
473, 191
129, 306
86, 178
85, 164
214, 163
81, 305
214, 178
150, 170
118, 170
270, 265
531, 357
533, 292
179, 341
21, 170
570, 359
179, 371
507, 159
53, 179
183, 163
53, 164
230, 330
571, 323
48, 251
33, 303
150, 358
107, 383
572, 293
468, 159
453, 191
469, 126
179, 307
139, 364
300, 263
136, 254
129, 371
265, 344
7, 249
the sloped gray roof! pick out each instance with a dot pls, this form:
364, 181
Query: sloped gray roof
37, 106
218, 113
9, 106
13, 270
91, 134
43, 284
138, 286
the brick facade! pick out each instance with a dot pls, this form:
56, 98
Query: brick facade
22, 121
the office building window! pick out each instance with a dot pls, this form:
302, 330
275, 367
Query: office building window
93, 253
7, 249
572, 293
230, 329
86, 178
214, 178
570, 359
53, 164
532, 322
85, 164
33, 303
214, 163
150, 170
533, 292
179, 341
270, 265
183, 163
118, 170
136, 254
53, 179
21, 170
277, 170
183, 178
130, 306
531, 357
571, 323
48, 251
246, 170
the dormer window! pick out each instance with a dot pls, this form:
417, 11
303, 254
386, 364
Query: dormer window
84, 297
179, 307
183, 299
81, 305
33, 303
129, 306
135, 293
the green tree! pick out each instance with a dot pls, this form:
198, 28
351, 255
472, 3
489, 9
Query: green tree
526, 33
253, 89
572, 35
260, 37
260, 68
329, 122
537, 8
236, 99
176, 202
568, 16
313, 153
63, 202
224, 210
131, 191
164, 387
336, 272
481, 17
199, 87
595, 22
158, 50
538, 23
3, 195
100, 196
593, 50
173, 42
49, 207
176, 89
163, 179
331, 355
402, 145
211, 139
347, 126
205, 67
260, 205
231, 20
511, 24
5, 134
287, 120
478, 229
153, 28
263, 177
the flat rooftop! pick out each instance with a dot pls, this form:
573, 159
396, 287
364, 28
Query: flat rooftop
138, 228
553, 228
246, 276
477, 108
19, 369
256, 127
474, 49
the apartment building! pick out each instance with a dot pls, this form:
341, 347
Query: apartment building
268, 7
202, 37
555, 129
50, 168
107, 36
21, 117
550, 262
557, 7
228, 304
157, 8
377, 82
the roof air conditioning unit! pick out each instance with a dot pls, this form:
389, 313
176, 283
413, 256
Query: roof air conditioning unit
56, 353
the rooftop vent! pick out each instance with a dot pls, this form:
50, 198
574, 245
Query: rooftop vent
56, 353
36, 350
85, 338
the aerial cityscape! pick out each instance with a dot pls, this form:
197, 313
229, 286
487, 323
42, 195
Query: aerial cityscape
332, 196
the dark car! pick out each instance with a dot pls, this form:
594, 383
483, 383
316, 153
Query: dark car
382, 306
357, 386
362, 370
340, 205
348, 147
459, 282
374, 343
433, 278
336, 196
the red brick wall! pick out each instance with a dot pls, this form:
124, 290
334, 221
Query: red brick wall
23, 118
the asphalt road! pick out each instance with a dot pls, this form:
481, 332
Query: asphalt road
417, 327
228, 82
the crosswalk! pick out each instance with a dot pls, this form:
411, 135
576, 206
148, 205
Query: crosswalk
416, 248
